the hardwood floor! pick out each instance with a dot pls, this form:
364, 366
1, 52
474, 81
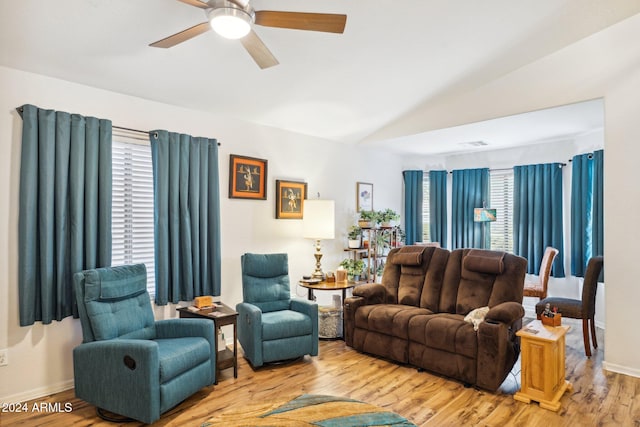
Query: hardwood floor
598, 398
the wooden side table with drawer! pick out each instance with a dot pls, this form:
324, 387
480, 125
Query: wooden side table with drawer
543, 370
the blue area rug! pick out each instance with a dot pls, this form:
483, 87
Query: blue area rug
310, 410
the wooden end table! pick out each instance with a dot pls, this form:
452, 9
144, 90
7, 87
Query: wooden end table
328, 286
221, 315
543, 370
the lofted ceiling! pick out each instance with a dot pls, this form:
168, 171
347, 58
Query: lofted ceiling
368, 85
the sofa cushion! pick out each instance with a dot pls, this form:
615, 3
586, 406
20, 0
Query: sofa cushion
408, 255
265, 281
447, 332
115, 283
388, 319
285, 324
490, 262
117, 302
179, 355
402, 277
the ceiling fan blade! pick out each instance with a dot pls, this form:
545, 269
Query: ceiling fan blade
196, 3
258, 50
326, 22
182, 36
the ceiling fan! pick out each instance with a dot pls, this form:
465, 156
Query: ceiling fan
233, 19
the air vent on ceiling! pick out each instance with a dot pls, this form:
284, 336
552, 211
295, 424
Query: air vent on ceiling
474, 143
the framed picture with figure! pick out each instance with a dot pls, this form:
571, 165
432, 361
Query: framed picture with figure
247, 178
290, 196
364, 196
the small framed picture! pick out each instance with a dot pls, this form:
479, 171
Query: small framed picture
247, 178
364, 196
290, 197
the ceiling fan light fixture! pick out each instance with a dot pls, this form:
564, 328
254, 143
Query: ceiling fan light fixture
230, 22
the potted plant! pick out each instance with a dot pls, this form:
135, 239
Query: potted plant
387, 216
382, 243
355, 237
354, 268
400, 236
367, 219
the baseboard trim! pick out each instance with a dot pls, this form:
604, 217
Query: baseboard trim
38, 392
612, 367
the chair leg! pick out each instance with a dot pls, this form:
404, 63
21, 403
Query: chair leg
593, 333
585, 336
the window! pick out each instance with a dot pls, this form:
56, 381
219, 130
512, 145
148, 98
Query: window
426, 219
132, 209
501, 182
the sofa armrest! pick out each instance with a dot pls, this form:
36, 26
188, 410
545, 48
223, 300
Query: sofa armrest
373, 293
498, 345
507, 312
250, 331
175, 328
121, 375
310, 308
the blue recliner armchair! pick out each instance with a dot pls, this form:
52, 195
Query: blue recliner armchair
271, 325
129, 364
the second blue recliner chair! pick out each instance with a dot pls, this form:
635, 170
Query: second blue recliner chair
271, 325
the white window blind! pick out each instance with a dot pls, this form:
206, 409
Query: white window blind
426, 212
132, 209
501, 182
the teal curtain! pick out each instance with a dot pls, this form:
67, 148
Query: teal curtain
470, 189
186, 216
581, 209
537, 219
65, 209
438, 207
413, 206
597, 233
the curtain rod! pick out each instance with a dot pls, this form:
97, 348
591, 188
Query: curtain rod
508, 169
19, 110
140, 131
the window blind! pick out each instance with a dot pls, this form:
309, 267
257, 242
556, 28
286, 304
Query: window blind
501, 182
132, 205
426, 233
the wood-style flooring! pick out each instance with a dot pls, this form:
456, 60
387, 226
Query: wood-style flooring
599, 398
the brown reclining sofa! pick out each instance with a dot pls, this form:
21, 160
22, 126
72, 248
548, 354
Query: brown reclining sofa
416, 315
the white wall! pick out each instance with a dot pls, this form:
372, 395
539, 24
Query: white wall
622, 232
40, 357
559, 151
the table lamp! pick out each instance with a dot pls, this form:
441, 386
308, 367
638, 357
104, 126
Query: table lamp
318, 223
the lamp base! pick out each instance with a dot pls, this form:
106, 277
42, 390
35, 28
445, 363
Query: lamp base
318, 274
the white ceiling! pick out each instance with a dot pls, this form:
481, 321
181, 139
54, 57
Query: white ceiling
393, 59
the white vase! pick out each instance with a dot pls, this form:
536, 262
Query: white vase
354, 244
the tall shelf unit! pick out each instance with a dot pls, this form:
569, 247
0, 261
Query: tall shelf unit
378, 241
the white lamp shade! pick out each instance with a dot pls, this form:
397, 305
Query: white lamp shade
319, 219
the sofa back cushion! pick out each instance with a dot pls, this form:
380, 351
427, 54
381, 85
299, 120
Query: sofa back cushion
404, 273
477, 278
434, 279
113, 302
265, 281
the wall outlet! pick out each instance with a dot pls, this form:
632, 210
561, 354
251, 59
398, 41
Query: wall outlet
4, 357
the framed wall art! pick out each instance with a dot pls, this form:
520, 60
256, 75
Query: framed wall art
290, 197
247, 178
364, 196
